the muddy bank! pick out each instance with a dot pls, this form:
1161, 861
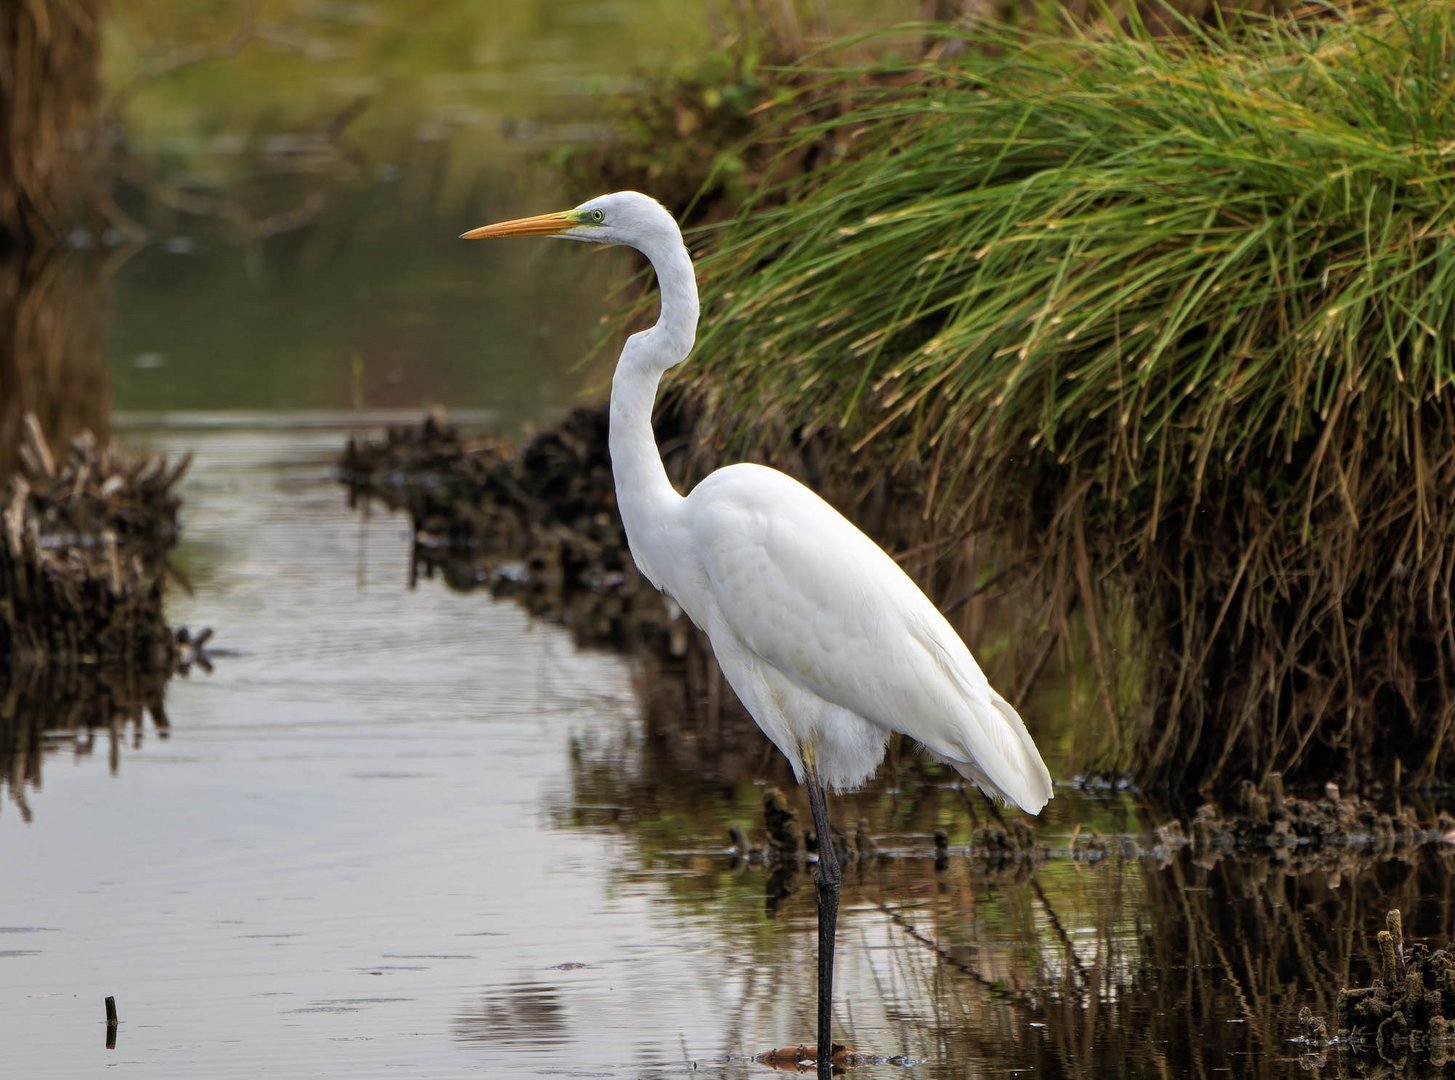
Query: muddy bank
86, 536
537, 522
84, 643
1332, 834
53, 307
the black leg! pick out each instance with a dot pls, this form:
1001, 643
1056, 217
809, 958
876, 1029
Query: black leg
827, 879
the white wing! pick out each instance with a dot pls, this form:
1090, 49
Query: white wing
811, 595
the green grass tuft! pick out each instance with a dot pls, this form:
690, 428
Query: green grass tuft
1176, 320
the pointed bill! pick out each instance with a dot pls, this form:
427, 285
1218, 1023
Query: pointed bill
540, 225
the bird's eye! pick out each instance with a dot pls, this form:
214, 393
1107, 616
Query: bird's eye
598, 216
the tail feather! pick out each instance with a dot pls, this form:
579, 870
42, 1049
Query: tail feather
1027, 782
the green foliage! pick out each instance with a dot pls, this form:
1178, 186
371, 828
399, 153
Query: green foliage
1184, 314
694, 133
683, 135
1116, 244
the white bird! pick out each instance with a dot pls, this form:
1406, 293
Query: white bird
828, 643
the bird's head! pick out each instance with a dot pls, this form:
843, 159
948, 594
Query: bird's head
623, 217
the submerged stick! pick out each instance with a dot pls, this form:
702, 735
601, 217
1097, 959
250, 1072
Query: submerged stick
1388, 971
1394, 923
111, 1022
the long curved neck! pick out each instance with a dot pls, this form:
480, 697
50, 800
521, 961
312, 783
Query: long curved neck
644, 495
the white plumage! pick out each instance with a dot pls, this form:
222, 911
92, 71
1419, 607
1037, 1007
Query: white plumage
828, 643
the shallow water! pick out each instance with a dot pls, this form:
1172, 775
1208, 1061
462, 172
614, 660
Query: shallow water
412, 832
340, 854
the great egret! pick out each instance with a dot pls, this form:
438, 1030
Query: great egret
825, 639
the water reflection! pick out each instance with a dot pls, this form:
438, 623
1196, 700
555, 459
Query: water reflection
1113, 947
420, 833
47, 709
289, 179
289, 241
301, 172
1123, 956
527, 1015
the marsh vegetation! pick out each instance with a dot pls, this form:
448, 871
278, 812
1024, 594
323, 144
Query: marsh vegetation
1167, 331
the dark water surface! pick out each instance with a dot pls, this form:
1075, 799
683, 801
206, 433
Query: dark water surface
414, 833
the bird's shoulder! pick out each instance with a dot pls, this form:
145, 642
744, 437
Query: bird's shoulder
761, 534
758, 498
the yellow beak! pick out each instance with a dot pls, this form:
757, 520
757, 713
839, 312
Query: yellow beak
540, 225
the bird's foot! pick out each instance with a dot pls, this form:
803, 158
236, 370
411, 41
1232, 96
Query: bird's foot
804, 1058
